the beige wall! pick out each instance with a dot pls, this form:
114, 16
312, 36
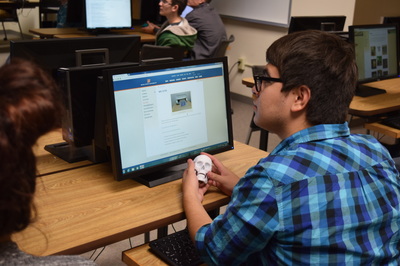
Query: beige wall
28, 18
371, 11
253, 39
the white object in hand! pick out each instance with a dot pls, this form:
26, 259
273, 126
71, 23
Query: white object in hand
202, 165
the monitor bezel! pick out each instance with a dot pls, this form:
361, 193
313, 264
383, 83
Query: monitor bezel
368, 26
113, 137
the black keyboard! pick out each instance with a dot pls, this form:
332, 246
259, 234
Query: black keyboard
176, 249
392, 121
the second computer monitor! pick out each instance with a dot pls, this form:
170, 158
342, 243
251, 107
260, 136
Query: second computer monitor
324, 23
376, 50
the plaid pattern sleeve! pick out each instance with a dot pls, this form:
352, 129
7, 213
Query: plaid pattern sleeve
323, 196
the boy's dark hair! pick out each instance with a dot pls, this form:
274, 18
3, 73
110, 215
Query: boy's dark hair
323, 62
181, 5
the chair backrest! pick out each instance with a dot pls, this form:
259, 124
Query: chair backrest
220, 52
49, 3
258, 70
150, 51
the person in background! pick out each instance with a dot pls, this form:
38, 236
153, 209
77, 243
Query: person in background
62, 14
323, 195
176, 30
29, 107
210, 28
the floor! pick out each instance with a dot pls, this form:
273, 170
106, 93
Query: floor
242, 114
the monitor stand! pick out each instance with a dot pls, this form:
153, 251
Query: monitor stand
161, 177
366, 91
72, 154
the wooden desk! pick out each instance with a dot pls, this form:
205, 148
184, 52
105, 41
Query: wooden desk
48, 163
248, 82
144, 37
382, 129
48, 33
372, 105
378, 104
83, 209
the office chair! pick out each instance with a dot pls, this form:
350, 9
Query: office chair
46, 8
258, 70
150, 51
220, 52
9, 15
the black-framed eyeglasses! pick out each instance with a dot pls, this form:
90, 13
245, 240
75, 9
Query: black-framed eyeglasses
259, 79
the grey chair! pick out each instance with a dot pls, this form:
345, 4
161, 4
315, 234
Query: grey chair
258, 70
150, 52
220, 52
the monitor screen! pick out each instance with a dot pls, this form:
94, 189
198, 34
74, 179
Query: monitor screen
376, 50
52, 54
324, 23
106, 14
160, 116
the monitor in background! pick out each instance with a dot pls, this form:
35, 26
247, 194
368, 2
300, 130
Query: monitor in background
52, 54
160, 116
391, 20
377, 54
101, 16
324, 23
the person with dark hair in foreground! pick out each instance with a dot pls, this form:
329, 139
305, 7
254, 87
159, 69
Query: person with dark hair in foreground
29, 108
323, 195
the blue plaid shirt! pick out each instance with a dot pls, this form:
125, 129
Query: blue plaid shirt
321, 197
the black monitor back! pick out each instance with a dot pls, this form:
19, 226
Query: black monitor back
324, 23
52, 54
83, 120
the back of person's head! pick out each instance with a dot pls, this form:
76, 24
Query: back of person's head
323, 62
29, 108
181, 5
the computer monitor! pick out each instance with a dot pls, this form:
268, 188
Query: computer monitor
324, 23
377, 54
161, 115
391, 20
52, 54
103, 15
